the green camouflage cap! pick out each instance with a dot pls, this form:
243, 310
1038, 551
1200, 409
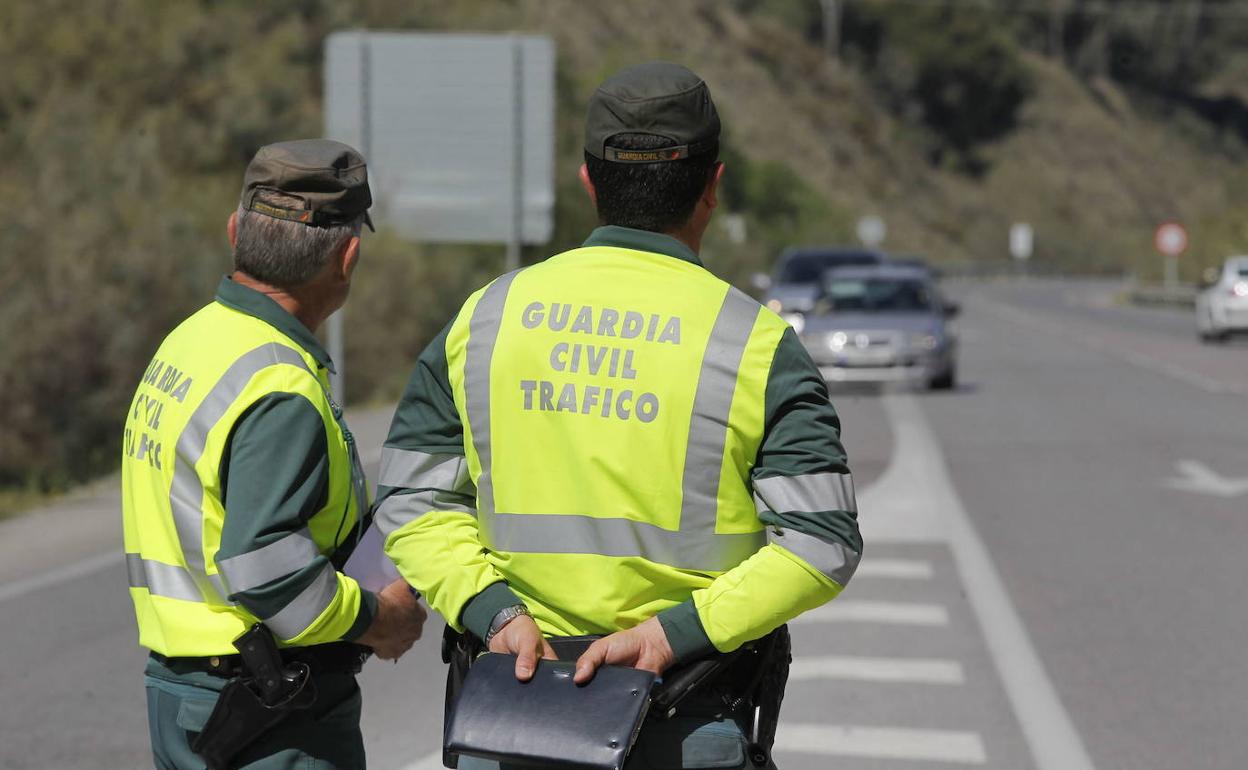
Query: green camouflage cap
329, 178
657, 98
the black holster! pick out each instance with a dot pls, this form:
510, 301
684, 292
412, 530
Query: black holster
250, 705
765, 692
458, 652
750, 681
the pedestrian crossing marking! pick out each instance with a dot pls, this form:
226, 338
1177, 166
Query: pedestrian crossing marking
428, 762
852, 667
864, 611
881, 743
903, 569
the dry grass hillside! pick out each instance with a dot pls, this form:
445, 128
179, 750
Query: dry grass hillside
126, 132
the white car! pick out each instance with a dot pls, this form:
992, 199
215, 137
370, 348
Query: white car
1222, 307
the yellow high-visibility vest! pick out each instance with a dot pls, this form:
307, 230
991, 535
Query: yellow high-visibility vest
207, 373
613, 406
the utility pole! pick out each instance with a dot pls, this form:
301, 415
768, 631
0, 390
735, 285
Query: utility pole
1057, 30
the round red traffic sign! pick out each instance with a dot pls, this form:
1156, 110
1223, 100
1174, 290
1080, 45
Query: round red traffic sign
1170, 239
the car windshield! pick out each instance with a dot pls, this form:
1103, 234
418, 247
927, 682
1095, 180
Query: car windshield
808, 266
877, 295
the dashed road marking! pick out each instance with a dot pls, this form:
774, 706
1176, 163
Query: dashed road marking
863, 611
430, 762
882, 743
863, 669
902, 569
1055, 743
1098, 344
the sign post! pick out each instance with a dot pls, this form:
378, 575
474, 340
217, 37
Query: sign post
1171, 240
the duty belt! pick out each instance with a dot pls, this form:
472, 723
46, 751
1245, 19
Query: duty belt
331, 658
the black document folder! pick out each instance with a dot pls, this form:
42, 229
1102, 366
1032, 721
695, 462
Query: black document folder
549, 720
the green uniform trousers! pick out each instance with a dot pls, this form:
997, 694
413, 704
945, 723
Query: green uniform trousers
324, 737
681, 743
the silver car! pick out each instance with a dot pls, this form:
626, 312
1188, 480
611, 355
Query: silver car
1222, 307
885, 323
793, 286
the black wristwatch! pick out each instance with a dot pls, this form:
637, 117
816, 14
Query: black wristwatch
503, 617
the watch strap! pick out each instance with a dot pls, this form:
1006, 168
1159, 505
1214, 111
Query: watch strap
503, 617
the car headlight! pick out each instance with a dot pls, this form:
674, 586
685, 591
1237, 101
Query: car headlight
924, 341
838, 340
775, 305
796, 320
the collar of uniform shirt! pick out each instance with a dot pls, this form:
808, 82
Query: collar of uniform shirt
253, 303
641, 240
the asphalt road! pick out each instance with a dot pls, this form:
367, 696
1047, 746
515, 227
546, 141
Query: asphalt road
1052, 581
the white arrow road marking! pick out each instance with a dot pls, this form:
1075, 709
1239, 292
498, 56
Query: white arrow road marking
1197, 477
881, 742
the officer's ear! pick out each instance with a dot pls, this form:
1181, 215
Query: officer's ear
350, 257
231, 228
588, 184
710, 196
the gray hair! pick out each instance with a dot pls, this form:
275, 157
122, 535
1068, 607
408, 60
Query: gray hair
285, 253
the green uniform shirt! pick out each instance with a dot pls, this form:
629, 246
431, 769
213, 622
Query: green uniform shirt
802, 437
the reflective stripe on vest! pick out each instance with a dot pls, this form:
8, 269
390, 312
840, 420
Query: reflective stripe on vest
695, 545
172, 581
440, 482
811, 493
186, 494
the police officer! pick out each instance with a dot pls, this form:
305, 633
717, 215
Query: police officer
617, 442
242, 490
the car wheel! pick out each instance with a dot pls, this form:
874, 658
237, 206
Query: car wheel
946, 380
1213, 335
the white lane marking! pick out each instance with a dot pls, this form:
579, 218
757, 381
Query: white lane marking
1055, 743
881, 743
902, 569
56, 577
861, 611
1195, 476
861, 669
431, 762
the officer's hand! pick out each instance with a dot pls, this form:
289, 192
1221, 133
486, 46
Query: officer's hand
397, 624
522, 638
643, 646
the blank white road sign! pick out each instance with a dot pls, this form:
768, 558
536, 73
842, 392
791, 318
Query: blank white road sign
451, 125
